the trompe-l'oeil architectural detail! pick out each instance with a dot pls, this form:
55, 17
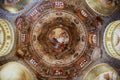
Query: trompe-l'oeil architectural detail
58, 40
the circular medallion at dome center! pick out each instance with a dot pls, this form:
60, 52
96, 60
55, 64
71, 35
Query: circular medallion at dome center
59, 38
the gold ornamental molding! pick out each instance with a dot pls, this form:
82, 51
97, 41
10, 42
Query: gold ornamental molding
112, 39
15, 71
6, 37
102, 7
14, 6
101, 71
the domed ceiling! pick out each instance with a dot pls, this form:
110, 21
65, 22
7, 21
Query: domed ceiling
6, 37
59, 39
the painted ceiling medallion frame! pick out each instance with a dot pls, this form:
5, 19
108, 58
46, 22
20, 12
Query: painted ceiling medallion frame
111, 39
104, 70
6, 37
102, 7
19, 70
14, 6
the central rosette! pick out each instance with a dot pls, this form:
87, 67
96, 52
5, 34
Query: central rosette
59, 38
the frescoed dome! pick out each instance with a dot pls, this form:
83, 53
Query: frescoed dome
14, 6
102, 7
59, 39
6, 37
112, 39
15, 71
102, 71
